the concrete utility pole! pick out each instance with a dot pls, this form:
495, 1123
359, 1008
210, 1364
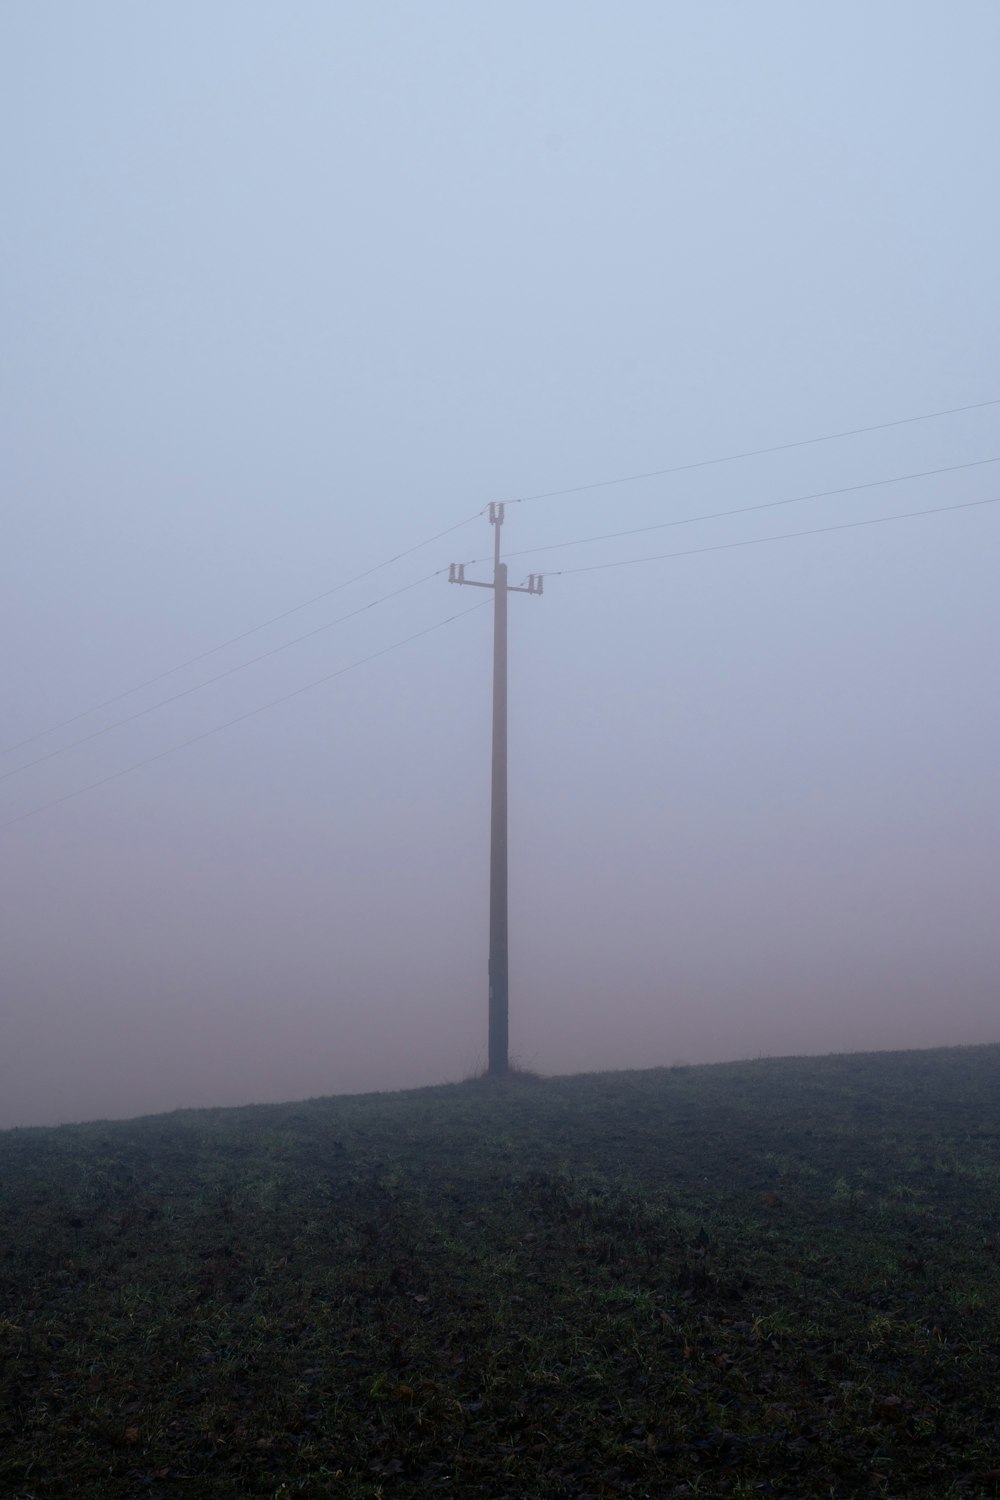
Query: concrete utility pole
498, 970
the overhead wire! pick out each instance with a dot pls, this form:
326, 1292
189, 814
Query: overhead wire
417, 635
739, 510
437, 536
219, 676
240, 718
782, 536
675, 469
234, 639
730, 458
548, 547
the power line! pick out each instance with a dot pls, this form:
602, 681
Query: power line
234, 639
219, 676
782, 536
240, 718
739, 510
730, 458
562, 572
352, 614
541, 495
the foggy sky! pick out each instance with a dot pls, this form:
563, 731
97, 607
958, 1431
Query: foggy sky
288, 290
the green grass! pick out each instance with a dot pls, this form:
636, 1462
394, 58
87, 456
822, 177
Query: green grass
767, 1278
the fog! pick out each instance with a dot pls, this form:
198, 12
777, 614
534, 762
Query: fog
289, 291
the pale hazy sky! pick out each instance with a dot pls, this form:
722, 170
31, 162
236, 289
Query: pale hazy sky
287, 290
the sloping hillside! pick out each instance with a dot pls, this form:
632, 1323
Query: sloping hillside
769, 1278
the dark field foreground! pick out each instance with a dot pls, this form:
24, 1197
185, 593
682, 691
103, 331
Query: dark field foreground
768, 1278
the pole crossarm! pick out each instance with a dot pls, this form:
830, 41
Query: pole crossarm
498, 963
456, 574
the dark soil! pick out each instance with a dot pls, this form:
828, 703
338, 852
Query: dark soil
769, 1278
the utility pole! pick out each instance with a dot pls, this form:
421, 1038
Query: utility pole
498, 967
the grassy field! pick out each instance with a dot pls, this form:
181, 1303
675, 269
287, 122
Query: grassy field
767, 1278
